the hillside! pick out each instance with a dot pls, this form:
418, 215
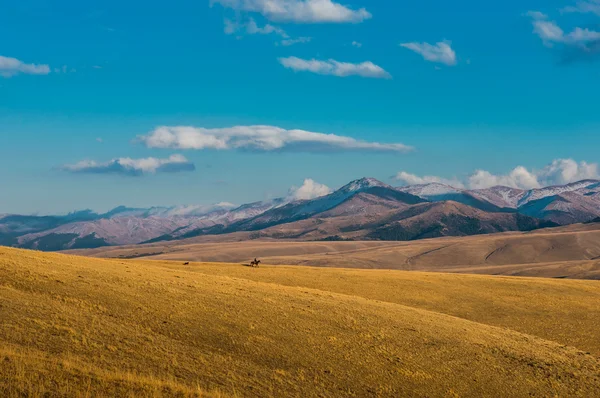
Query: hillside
566, 252
159, 328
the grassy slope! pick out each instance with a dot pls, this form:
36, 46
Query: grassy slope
81, 326
565, 311
572, 252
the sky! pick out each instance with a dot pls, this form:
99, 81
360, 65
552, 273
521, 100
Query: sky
107, 103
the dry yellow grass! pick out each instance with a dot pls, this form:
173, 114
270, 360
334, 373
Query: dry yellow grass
566, 252
76, 326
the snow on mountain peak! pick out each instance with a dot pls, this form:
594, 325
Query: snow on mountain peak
541, 193
362, 184
430, 190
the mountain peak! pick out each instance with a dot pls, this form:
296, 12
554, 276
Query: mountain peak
362, 184
429, 190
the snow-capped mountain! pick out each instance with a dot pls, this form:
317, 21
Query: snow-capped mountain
504, 197
303, 209
362, 185
352, 211
433, 191
564, 204
582, 187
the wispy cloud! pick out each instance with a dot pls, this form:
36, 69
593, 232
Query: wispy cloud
440, 52
252, 28
310, 189
11, 67
356, 44
299, 40
536, 14
551, 33
65, 69
260, 138
559, 172
335, 68
581, 44
132, 167
299, 11
584, 7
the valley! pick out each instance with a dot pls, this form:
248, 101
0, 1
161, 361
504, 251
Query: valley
564, 252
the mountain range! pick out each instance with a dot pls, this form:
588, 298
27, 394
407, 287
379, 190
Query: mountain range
365, 209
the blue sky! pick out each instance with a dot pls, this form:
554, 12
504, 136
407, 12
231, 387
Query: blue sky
469, 86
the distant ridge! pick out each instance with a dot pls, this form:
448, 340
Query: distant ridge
365, 208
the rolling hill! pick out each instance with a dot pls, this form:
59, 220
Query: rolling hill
565, 252
97, 327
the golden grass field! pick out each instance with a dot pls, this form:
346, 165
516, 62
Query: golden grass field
565, 252
75, 326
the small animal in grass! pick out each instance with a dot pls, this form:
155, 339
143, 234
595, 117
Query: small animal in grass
255, 263
186, 263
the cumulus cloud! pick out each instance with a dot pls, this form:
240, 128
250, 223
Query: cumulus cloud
335, 68
132, 167
564, 171
412, 179
519, 177
559, 172
299, 11
11, 66
310, 189
259, 138
440, 52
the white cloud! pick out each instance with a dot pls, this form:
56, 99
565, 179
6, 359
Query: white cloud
584, 7
335, 68
260, 138
99, 139
291, 42
132, 167
412, 179
64, 69
310, 189
536, 15
559, 172
519, 177
564, 171
252, 28
356, 44
551, 33
11, 66
300, 11
441, 52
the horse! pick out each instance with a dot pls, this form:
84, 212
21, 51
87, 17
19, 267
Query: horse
255, 263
